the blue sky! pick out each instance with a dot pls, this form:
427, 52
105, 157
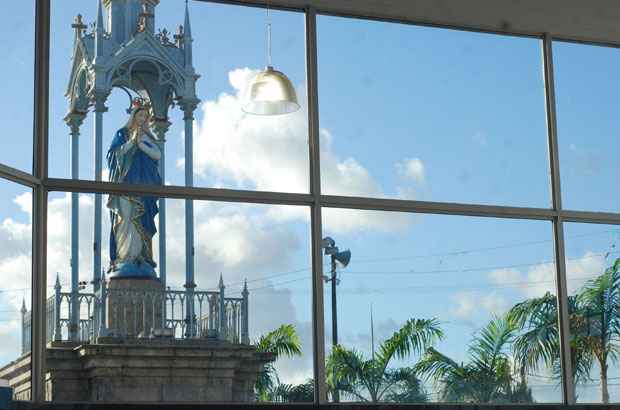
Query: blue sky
405, 112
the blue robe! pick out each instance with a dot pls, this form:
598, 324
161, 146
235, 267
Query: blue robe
133, 167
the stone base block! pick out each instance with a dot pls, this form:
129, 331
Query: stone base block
181, 371
134, 306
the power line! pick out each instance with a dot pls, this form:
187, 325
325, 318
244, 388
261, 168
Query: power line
483, 249
516, 285
409, 273
266, 277
280, 283
440, 271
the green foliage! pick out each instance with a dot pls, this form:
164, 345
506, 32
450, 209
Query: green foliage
301, 392
501, 355
288, 393
370, 379
487, 378
281, 341
594, 317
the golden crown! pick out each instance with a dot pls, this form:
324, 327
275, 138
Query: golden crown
141, 103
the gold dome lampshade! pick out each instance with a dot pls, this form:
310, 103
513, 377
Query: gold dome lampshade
271, 93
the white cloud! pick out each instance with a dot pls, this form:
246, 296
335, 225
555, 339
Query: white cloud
232, 148
540, 278
412, 168
24, 201
470, 303
266, 153
10, 332
505, 275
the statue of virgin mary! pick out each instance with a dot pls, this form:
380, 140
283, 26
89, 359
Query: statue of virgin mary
133, 158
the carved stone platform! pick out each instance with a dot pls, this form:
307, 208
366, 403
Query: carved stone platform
144, 370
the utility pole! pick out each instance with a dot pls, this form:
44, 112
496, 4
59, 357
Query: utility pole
334, 282
343, 258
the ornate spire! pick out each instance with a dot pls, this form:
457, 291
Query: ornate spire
187, 39
99, 30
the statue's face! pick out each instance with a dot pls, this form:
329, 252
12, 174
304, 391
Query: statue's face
141, 117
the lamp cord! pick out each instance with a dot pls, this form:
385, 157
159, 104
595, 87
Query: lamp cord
268, 35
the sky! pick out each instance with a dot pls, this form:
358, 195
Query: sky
405, 112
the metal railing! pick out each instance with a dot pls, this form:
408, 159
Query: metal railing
137, 313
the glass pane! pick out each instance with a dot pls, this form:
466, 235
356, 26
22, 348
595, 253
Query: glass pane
17, 72
431, 114
587, 124
15, 291
239, 331
231, 149
440, 309
593, 279
237, 150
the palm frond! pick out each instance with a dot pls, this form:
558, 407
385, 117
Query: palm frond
436, 366
415, 336
281, 341
488, 347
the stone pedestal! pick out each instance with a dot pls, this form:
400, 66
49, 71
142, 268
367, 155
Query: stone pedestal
134, 306
145, 370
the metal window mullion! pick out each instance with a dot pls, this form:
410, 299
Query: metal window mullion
286, 198
39, 205
179, 192
18, 176
39, 294
608, 218
318, 323
568, 387
427, 207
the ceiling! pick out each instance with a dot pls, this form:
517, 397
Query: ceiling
580, 20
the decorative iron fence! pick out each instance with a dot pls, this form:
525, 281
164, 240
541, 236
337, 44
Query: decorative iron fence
84, 317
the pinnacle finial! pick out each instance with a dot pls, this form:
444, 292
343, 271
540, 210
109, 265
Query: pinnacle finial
23, 310
57, 284
188, 29
99, 24
187, 38
99, 30
221, 284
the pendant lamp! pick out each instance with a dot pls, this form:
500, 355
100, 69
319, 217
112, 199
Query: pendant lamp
270, 92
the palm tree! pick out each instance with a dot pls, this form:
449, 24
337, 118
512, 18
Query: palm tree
487, 378
538, 344
594, 320
281, 341
599, 299
370, 379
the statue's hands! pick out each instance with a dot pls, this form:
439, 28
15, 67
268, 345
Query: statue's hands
135, 137
145, 127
